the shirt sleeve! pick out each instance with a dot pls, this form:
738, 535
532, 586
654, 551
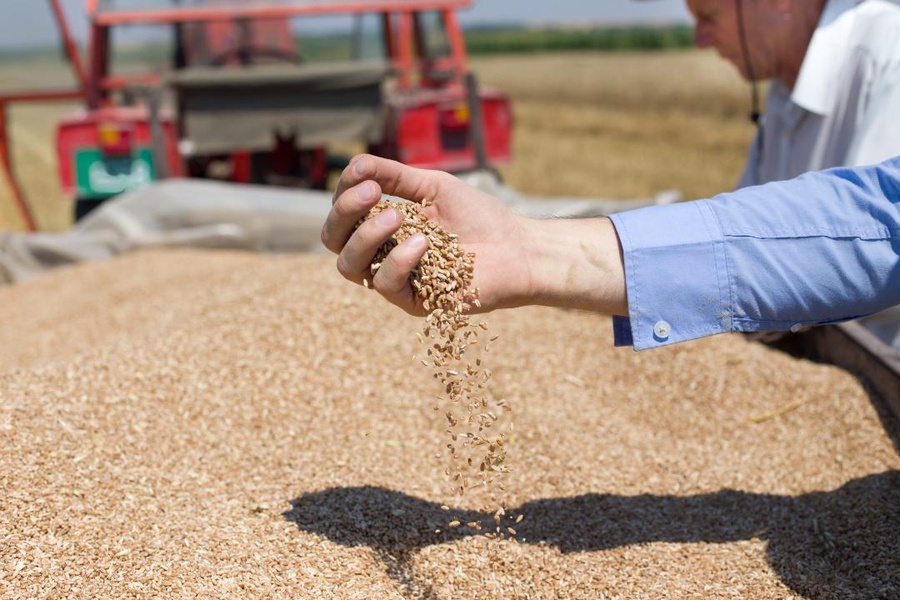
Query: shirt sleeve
821, 248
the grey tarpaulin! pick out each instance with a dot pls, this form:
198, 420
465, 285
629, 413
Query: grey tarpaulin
175, 212
210, 214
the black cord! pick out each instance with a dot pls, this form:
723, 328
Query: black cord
754, 90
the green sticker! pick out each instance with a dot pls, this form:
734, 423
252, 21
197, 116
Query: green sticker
99, 176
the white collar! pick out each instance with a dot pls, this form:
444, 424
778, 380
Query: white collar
816, 84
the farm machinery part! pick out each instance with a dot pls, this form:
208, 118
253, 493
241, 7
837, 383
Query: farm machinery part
240, 100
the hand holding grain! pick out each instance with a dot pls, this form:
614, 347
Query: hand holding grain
572, 263
482, 224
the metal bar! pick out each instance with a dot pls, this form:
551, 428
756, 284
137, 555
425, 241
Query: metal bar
99, 65
457, 42
160, 160
390, 39
6, 163
118, 82
404, 59
41, 96
69, 41
476, 122
212, 13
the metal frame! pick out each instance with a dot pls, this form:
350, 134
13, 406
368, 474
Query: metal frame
6, 162
94, 83
271, 10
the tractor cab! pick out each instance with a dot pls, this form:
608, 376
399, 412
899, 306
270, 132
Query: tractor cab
272, 92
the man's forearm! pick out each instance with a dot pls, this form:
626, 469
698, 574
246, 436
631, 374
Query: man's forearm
576, 263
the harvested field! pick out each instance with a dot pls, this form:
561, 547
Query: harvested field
218, 425
624, 125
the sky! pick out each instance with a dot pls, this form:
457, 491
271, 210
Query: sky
547, 11
28, 23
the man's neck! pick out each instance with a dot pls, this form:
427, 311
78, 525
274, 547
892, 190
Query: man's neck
804, 16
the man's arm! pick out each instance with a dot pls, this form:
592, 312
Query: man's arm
568, 263
821, 248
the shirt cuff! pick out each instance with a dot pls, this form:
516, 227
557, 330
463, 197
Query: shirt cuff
675, 274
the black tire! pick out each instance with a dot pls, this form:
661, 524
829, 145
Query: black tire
83, 206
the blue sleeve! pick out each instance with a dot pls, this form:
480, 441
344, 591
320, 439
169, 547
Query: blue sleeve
822, 248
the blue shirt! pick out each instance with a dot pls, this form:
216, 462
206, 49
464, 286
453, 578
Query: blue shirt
821, 248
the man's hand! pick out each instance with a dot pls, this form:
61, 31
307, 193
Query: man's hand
482, 224
518, 261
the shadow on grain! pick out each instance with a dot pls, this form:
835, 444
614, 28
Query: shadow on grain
842, 543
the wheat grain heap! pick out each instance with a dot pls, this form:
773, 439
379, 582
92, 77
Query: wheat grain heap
190, 424
475, 421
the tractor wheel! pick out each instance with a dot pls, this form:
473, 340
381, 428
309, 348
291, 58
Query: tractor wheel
85, 205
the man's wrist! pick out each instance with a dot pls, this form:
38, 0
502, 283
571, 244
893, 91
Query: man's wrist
576, 263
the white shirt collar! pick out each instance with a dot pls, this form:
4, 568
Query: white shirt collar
816, 84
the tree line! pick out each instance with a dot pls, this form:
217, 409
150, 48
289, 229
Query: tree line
519, 40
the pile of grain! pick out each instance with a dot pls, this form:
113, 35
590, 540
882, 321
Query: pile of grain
478, 424
219, 425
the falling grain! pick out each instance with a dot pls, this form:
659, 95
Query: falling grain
442, 283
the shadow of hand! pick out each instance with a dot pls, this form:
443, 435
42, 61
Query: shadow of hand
843, 543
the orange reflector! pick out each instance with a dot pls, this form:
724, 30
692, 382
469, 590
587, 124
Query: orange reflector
456, 118
109, 134
114, 139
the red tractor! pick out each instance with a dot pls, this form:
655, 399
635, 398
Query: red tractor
250, 96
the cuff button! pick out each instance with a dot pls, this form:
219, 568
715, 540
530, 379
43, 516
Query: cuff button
662, 330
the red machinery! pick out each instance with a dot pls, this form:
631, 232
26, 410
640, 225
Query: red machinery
242, 101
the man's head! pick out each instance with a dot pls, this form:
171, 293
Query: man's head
774, 39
